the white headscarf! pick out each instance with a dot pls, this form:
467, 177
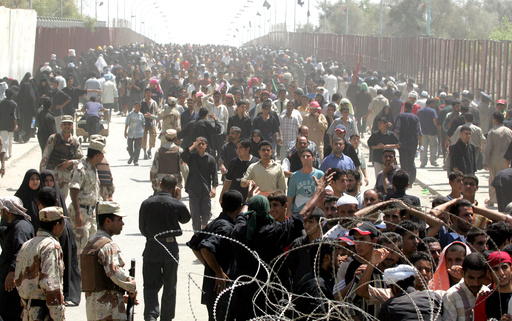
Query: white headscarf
3, 88
14, 205
100, 63
399, 273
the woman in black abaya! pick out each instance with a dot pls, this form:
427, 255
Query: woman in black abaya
27, 192
27, 101
72, 280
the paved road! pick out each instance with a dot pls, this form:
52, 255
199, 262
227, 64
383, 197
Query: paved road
133, 186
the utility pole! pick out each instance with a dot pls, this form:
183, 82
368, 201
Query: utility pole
346, 17
380, 34
308, 18
325, 16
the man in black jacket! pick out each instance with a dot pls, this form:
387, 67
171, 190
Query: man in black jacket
159, 213
215, 252
200, 128
201, 182
463, 154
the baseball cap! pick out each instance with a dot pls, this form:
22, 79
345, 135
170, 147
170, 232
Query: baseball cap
501, 102
109, 207
365, 228
97, 145
341, 127
266, 102
347, 240
413, 94
50, 214
442, 95
314, 105
67, 119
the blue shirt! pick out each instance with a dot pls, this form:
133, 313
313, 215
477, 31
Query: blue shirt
135, 122
344, 162
302, 186
427, 116
93, 108
186, 118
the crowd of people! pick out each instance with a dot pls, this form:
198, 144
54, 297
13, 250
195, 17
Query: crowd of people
299, 235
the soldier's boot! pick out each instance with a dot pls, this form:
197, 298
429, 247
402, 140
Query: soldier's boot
145, 155
149, 153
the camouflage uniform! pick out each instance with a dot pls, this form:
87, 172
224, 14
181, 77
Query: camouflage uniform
171, 119
109, 304
63, 177
156, 174
85, 178
39, 271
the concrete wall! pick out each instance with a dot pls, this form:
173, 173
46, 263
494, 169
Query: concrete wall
17, 36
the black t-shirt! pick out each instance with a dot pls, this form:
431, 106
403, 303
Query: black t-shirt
228, 152
496, 305
75, 94
236, 170
389, 138
267, 127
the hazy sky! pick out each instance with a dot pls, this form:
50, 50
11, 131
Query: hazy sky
206, 21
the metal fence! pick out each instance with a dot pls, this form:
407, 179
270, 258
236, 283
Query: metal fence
57, 22
459, 63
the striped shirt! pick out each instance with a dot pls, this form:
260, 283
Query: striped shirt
459, 302
290, 126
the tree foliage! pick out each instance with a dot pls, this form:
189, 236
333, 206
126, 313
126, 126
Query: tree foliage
48, 8
503, 31
459, 19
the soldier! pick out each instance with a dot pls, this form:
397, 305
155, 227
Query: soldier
85, 187
159, 213
104, 279
167, 161
107, 187
39, 269
171, 118
61, 154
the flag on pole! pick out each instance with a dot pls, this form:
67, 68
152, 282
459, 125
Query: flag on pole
266, 4
354, 78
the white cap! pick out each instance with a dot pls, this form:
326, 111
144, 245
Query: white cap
347, 199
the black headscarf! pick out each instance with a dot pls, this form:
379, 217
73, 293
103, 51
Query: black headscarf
60, 199
382, 114
29, 197
254, 145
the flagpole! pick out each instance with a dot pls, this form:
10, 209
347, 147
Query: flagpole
294, 17
308, 18
346, 18
325, 16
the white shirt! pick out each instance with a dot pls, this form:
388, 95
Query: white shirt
221, 113
109, 92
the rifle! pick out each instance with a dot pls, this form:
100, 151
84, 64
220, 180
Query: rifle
131, 301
